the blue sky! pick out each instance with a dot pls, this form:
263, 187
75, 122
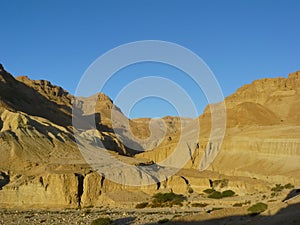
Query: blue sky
240, 40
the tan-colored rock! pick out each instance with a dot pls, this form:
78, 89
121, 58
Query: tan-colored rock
45, 167
47, 191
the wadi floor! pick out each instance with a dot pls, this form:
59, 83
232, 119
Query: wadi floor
278, 213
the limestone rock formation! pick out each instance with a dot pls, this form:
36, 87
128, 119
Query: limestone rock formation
41, 164
262, 135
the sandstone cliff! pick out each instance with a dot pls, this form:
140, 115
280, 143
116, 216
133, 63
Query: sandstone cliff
41, 165
262, 135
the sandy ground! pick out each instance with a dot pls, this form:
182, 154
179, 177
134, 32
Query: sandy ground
278, 213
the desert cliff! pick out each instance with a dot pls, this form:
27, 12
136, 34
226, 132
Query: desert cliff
41, 165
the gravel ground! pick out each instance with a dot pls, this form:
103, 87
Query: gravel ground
86, 216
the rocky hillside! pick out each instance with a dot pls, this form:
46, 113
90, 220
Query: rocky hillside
37, 145
41, 165
268, 101
262, 136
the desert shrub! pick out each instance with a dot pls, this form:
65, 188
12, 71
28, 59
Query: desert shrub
208, 191
163, 221
258, 208
215, 195
190, 190
274, 194
289, 186
202, 205
218, 195
237, 204
167, 199
141, 205
102, 221
277, 188
228, 193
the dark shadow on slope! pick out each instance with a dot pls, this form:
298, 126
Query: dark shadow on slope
20, 97
17, 96
135, 148
124, 221
93, 121
80, 180
4, 179
287, 216
292, 194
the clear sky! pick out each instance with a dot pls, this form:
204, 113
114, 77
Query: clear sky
240, 40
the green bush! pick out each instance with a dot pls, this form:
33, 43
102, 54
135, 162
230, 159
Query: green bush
238, 205
167, 199
141, 205
218, 195
258, 208
274, 194
277, 188
228, 193
289, 186
190, 190
102, 221
215, 195
208, 191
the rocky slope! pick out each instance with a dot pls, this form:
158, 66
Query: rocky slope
262, 135
41, 165
40, 162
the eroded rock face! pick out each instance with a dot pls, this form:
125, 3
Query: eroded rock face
279, 95
97, 189
262, 136
41, 165
51, 92
47, 191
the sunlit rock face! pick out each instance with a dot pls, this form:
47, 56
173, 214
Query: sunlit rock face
42, 166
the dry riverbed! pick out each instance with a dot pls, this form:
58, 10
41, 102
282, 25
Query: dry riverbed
86, 216
216, 209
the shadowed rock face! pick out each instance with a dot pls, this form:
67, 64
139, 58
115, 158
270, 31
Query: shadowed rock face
17, 96
41, 165
4, 180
